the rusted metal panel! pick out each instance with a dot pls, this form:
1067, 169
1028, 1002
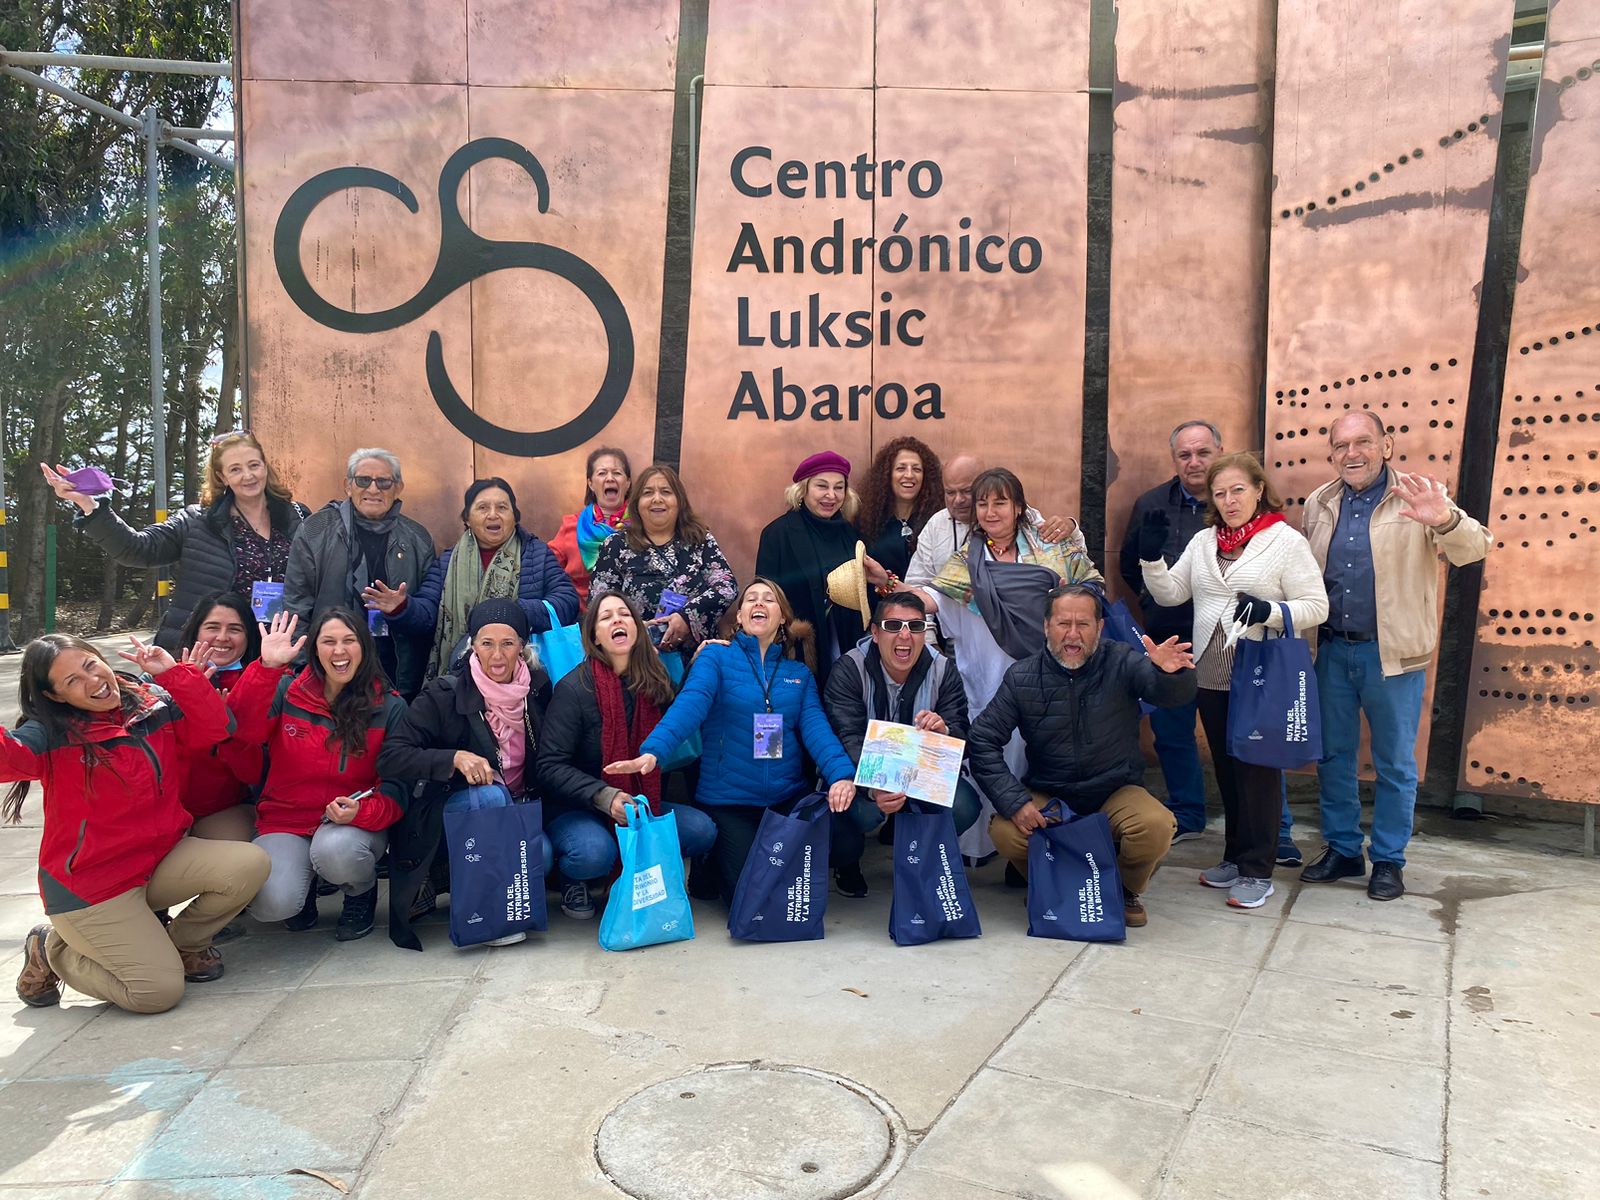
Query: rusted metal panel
1003, 346
316, 392
735, 459
540, 348
1385, 129
1188, 244
819, 44
624, 44
1533, 707
419, 41
1015, 45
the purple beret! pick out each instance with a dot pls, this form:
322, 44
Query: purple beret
821, 463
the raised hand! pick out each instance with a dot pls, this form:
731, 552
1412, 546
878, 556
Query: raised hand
1171, 655
384, 598
1153, 532
199, 657
152, 660
642, 765
279, 646
1426, 500
64, 489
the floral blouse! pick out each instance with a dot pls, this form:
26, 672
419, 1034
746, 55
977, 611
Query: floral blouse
257, 558
699, 572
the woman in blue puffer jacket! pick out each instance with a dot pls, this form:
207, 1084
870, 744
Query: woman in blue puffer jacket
759, 716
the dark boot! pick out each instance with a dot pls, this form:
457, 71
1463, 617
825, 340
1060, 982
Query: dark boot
306, 918
355, 921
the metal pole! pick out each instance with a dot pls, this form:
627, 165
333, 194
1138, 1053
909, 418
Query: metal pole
106, 111
200, 135
6, 643
50, 577
106, 62
694, 149
216, 160
158, 399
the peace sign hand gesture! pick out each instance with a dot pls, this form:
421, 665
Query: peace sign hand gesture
152, 660
279, 646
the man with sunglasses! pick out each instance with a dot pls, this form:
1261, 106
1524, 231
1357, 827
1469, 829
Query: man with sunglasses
346, 547
892, 674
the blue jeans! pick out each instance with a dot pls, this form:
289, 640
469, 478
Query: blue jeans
583, 843
1350, 681
1180, 767
847, 839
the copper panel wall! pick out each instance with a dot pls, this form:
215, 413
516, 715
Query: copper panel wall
1021, 45
1188, 244
517, 309
1533, 708
819, 44
1385, 130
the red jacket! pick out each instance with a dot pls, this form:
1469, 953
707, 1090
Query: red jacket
289, 715
221, 776
107, 826
565, 547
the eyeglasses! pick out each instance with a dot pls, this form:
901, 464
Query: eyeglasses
382, 482
895, 625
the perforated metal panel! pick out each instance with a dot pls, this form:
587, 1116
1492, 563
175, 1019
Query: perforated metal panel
1533, 708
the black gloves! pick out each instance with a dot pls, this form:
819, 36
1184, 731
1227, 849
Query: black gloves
1153, 534
1251, 611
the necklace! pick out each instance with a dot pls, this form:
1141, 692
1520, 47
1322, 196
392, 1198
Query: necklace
996, 550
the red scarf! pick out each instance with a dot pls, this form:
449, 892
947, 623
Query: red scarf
1229, 540
617, 741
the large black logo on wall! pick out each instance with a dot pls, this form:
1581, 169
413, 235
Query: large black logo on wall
463, 257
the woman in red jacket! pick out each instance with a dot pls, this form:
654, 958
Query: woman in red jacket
323, 810
219, 781
108, 749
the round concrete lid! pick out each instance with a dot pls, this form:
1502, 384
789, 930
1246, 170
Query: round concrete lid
749, 1129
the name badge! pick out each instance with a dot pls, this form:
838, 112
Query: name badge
266, 600
377, 623
671, 602
768, 735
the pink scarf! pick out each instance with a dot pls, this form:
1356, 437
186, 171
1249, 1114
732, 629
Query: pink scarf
504, 705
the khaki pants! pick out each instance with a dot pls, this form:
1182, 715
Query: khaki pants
236, 824
116, 950
1141, 826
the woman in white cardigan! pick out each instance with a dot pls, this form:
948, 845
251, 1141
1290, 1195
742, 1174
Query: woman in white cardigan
1237, 569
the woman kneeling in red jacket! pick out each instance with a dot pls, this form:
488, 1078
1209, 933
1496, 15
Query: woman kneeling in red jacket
323, 810
109, 751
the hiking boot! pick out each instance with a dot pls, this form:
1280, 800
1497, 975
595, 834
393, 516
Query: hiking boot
306, 918
201, 966
1332, 865
849, 881
1223, 875
576, 901
1133, 911
355, 919
37, 985
1249, 893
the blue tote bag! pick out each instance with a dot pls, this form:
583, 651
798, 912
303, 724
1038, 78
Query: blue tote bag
496, 867
931, 897
1074, 887
1274, 716
560, 646
690, 748
782, 893
648, 903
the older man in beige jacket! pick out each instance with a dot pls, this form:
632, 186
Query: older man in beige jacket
1378, 534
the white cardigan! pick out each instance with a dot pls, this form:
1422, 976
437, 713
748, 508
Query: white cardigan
1277, 564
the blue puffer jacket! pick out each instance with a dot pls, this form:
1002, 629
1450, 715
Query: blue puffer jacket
541, 579
720, 697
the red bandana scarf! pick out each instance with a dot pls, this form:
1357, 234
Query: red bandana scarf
618, 742
1229, 540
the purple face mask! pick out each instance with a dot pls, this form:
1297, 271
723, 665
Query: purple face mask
92, 481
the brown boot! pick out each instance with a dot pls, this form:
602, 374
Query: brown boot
37, 985
1133, 912
201, 966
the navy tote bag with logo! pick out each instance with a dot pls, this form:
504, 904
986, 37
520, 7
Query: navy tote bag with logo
1274, 717
1074, 887
783, 890
496, 869
931, 897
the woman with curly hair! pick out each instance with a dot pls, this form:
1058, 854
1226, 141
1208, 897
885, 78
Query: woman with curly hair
904, 487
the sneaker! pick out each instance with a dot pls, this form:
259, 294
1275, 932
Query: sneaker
1222, 875
704, 883
1133, 911
576, 901
427, 900
1249, 893
510, 939
306, 918
37, 985
201, 966
1187, 835
849, 881
355, 919
1288, 853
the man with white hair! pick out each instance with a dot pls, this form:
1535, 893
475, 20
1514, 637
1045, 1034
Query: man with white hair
341, 550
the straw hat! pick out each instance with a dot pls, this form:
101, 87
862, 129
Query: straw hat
847, 583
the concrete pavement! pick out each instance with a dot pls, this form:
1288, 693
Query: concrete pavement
1445, 1045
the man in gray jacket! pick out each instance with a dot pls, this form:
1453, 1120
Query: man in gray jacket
341, 550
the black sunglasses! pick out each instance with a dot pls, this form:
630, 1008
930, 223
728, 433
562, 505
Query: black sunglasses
895, 625
383, 483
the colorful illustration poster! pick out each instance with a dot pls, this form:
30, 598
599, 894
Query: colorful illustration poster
898, 758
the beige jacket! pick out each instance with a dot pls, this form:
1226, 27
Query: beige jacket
1405, 569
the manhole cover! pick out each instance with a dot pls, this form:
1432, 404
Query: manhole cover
750, 1130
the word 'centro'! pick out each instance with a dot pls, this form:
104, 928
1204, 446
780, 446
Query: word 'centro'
827, 177
889, 400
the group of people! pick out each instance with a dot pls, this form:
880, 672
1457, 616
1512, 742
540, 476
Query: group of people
247, 764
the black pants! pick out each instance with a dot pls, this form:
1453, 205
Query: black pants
1252, 796
737, 825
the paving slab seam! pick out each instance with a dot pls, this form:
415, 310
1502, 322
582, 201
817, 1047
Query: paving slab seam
1079, 1084
1376, 1056
974, 1185
1449, 1033
1383, 933
1312, 1135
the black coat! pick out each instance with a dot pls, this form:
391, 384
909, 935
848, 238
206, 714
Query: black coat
1081, 727
199, 540
797, 551
446, 716
570, 753
1185, 518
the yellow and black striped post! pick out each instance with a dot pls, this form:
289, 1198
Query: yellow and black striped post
5, 575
